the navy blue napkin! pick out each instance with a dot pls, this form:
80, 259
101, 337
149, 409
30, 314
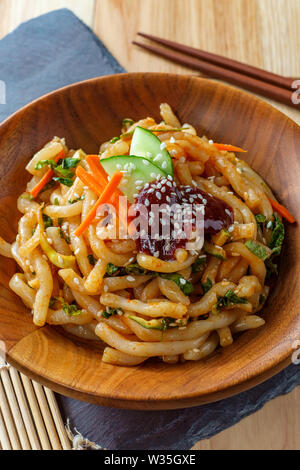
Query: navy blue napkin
45, 54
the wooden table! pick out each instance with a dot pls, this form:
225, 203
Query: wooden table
264, 33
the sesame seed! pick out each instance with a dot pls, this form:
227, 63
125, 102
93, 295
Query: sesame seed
149, 155
163, 146
76, 281
172, 140
130, 279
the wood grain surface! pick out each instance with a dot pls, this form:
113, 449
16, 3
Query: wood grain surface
261, 32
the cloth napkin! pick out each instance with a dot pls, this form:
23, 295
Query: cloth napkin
47, 53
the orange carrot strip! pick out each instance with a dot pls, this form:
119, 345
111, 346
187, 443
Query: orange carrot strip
105, 197
282, 211
97, 182
90, 181
96, 167
229, 148
99, 172
46, 178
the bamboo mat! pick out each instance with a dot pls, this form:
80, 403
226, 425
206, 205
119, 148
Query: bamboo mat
29, 415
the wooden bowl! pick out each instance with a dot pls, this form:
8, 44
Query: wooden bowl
89, 113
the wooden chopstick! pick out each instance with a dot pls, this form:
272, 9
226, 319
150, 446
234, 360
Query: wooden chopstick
29, 415
24, 408
4, 439
254, 85
15, 410
61, 430
36, 413
12, 433
52, 433
225, 62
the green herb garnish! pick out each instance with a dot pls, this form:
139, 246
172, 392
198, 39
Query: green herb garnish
64, 236
72, 310
207, 285
48, 222
278, 236
114, 140
42, 163
260, 220
48, 186
76, 200
92, 260
111, 269
230, 298
65, 181
110, 312
135, 269
199, 263
69, 163
186, 287
52, 302
258, 250
127, 123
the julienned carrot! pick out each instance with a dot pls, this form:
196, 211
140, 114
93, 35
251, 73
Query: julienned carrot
99, 172
96, 168
229, 148
282, 211
46, 178
90, 181
105, 197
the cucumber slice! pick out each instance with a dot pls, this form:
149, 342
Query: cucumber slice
146, 144
138, 172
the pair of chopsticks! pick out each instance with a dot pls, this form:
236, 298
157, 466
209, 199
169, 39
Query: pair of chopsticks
251, 78
29, 415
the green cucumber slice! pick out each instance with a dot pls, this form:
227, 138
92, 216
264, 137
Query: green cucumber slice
138, 172
146, 144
